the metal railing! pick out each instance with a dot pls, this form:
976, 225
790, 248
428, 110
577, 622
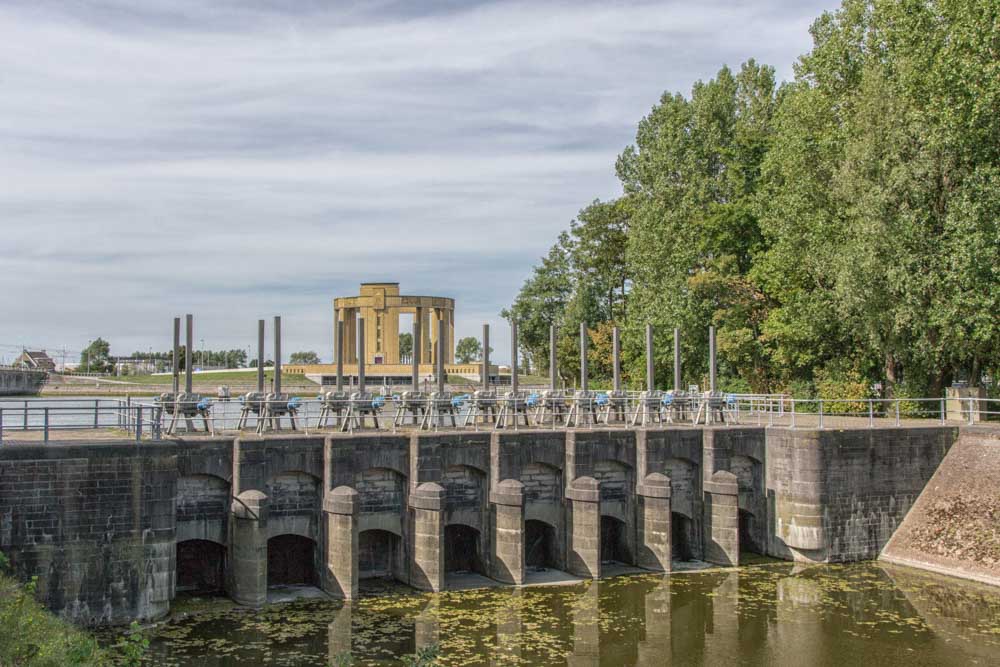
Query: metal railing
476, 411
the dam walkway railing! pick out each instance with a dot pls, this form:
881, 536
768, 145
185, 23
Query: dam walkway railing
62, 419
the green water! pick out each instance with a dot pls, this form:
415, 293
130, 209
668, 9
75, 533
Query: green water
774, 614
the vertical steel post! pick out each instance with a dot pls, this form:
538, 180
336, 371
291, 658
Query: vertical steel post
583, 356
553, 366
650, 370
485, 376
260, 356
711, 359
175, 360
439, 358
361, 355
677, 359
46, 427
616, 359
415, 360
277, 354
513, 362
340, 355
189, 343
97, 411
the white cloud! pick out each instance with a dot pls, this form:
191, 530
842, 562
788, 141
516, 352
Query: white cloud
237, 160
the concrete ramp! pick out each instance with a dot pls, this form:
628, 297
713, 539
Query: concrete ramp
954, 526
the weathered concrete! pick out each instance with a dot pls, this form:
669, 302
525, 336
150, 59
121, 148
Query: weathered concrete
954, 526
111, 529
18, 382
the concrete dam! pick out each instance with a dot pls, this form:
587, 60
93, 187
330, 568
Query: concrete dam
112, 530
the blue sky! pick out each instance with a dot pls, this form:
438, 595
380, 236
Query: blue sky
239, 160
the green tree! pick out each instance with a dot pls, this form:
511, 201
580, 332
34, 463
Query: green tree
96, 357
468, 349
405, 345
304, 358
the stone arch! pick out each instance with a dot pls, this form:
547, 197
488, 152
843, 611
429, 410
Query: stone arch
296, 500
380, 490
291, 559
541, 544
615, 544
201, 565
465, 490
463, 549
682, 537
202, 508
684, 477
380, 554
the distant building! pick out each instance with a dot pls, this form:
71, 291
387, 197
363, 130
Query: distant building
36, 360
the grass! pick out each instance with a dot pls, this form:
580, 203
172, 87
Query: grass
33, 636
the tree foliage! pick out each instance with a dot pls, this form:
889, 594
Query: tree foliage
468, 349
304, 358
840, 230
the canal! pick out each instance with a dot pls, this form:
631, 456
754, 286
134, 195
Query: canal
770, 614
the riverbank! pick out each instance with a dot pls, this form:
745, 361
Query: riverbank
33, 636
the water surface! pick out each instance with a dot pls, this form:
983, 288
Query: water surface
773, 614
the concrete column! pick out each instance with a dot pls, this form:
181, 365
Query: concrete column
248, 549
361, 354
508, 540
553, 364
350, 319
340, 355
340, 509
484, 374
449, 349
188, 355
277, 354
650, 369
711, 359
427, 505
513, 358
439, 370
722, 536
175, 359
677, 359
616, 359
584, 552
654, 523
415, 361
583, 356
260, 355
434, 316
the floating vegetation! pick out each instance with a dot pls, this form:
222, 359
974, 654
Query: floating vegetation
773, 613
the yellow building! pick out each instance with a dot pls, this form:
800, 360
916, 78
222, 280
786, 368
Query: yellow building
380, 306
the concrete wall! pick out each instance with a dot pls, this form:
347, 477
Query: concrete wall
16, 382
95, 524
954, 526
99, 523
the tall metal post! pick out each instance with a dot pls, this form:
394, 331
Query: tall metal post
260, 356
616, 359
485, 377
415, 370
361, 354
513, 358
439, 357
677, 359
277, 354
650, 371
340, 355
175, 359
553, 367
189, 338
711, 358
583, 356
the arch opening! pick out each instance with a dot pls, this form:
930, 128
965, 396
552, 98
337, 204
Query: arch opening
461, 549
747, 531
200, 566
681, 537
539, 545
291, 559
378, 554
614, 540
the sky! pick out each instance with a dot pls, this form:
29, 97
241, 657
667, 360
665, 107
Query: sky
243, 159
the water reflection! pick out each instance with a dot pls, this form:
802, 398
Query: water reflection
778, 614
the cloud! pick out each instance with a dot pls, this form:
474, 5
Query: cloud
238, 160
